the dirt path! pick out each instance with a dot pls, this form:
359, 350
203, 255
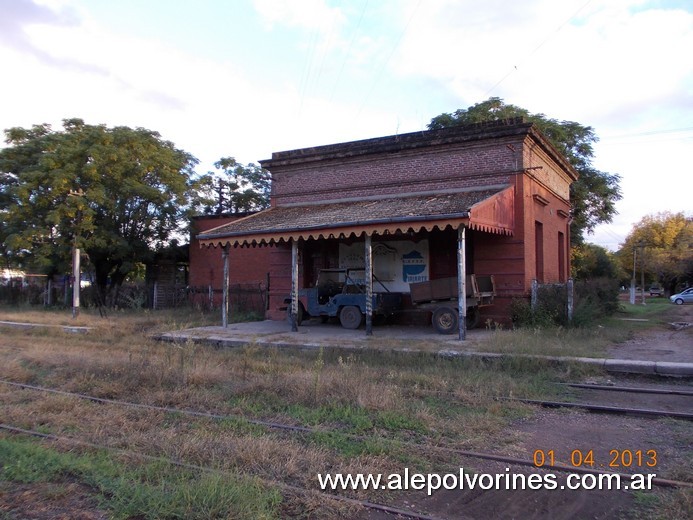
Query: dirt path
661, 343
569, 434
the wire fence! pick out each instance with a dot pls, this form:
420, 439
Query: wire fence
559, 297
248, 298
575, 303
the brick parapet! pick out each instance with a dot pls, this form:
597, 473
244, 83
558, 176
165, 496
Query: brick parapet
409, 172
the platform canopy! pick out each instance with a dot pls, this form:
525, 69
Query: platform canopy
489, 209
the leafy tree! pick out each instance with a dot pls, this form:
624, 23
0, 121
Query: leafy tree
117, 193
590, 261
239, 188
595, 193
664, 243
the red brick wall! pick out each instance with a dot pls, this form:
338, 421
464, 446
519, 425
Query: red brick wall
540, 205
434, 168
279, 264
246, 265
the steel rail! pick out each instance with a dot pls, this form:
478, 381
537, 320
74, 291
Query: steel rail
603, 408
288, 487
637, 390
167, 409
464, 453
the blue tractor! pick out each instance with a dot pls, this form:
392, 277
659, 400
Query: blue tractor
342, 293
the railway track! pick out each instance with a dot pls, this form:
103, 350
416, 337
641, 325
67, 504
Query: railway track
382, 508
648, 401
681, 406
629, 389
644, 412
303, 429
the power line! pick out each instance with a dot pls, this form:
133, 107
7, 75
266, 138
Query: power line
650, 132
309, 65
384, 65
637, 141
326, 48
541, 44
348, 52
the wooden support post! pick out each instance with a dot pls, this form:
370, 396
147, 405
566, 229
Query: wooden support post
225, 287
461, 284
368, 257
294, 286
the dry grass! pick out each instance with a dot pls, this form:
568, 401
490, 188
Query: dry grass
383, 397
124, 321
366, 394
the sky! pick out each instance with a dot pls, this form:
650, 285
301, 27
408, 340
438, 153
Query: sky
245, 78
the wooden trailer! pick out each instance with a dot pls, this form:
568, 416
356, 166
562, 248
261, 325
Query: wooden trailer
440, 297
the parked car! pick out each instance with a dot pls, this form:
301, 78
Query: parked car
656, 290
682, 297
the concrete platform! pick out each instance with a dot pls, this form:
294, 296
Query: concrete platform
313, 335
65, 328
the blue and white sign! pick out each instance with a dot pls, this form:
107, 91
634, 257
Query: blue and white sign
396, 263
414, 267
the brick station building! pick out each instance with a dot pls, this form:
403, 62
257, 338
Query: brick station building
498, 190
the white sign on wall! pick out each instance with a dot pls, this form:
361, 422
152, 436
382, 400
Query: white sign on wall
396, 264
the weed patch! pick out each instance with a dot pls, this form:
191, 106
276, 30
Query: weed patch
155, 490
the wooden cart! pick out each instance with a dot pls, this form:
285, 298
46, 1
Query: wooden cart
440, 297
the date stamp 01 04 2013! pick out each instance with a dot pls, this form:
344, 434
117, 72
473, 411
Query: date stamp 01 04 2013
586, 458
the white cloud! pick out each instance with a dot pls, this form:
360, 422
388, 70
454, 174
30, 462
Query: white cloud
366, 69
607, 56
306, 14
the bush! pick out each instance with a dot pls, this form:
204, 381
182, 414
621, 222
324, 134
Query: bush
522, 315
593, 299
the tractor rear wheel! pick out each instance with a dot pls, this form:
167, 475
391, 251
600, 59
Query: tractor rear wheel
299, 316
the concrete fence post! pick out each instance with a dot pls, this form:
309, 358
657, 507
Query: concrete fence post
49, 294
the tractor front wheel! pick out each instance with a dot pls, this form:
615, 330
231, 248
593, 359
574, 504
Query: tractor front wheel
350, 317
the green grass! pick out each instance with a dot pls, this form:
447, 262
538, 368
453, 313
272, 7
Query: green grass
148, 491
348, 446
654, 308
